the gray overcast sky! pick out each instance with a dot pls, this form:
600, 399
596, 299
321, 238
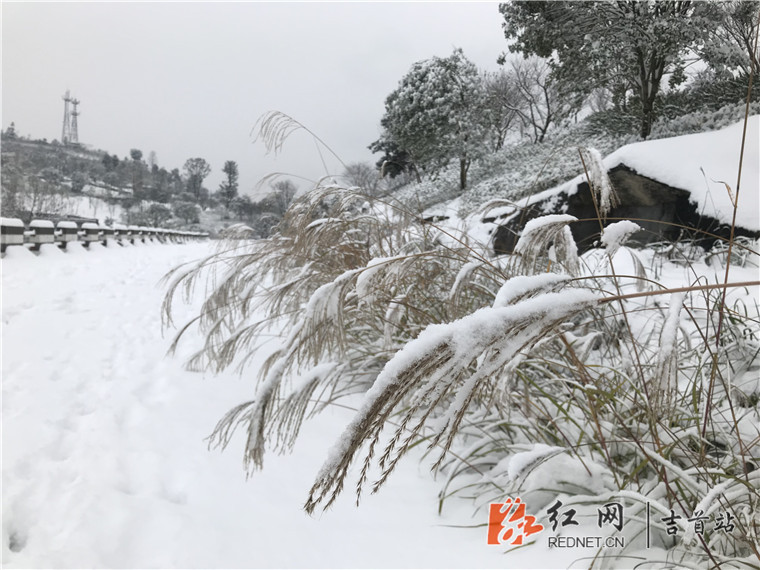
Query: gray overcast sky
191, 79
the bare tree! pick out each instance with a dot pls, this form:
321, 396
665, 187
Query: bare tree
503, 104
32, 195
365, 176
541, 103
283, 192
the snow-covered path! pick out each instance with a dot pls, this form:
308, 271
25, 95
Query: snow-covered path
104, 459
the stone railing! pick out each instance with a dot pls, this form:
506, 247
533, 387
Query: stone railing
40, 232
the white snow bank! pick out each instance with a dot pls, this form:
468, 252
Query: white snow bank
703, 164
448, 209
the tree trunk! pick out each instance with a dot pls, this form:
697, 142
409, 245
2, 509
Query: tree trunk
417, 173
647, 118
651, 70
464, 166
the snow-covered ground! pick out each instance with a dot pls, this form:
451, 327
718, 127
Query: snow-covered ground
92, 207
104, 459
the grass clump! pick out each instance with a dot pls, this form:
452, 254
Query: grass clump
620, 375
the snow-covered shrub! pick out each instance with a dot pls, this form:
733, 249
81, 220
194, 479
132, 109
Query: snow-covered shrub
702, 120
707, 92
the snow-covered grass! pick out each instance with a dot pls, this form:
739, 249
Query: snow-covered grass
632, 367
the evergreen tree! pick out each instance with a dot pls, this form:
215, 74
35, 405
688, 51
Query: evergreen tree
228, 189
196, 170
10, 132
137, 174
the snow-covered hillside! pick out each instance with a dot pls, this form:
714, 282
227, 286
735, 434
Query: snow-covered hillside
104, 459
92, 207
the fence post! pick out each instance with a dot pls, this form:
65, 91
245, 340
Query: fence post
65, 232
120, 233
11, 232
106, 233
40, 232
89, 233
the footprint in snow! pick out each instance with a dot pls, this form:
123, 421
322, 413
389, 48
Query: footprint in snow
16, 541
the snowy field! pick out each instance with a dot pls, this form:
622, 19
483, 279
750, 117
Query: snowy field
104, 459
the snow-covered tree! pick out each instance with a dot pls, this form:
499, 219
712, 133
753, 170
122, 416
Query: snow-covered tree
395, 161
435, 115
187, 211
627, 45
730, 47
157, 214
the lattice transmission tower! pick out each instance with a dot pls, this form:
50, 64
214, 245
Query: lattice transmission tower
74, 127
70, 134
66, 134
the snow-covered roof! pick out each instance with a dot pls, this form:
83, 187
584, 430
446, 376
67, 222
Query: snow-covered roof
704, 164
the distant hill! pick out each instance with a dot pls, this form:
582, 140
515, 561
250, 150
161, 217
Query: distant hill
48, 179
51, 180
